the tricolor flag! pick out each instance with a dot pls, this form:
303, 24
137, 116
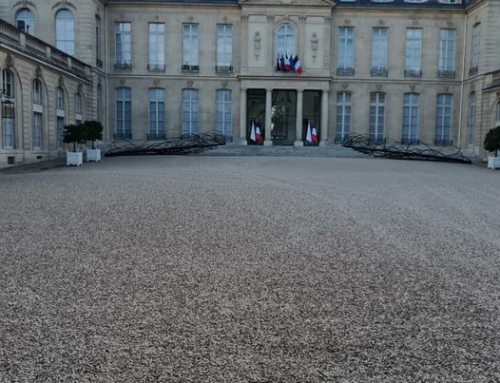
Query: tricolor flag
312, 133
288, 68
296, 65
252, 133
278, 65
258, 134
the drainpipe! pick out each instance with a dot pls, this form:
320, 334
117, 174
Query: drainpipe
106, 116
460, 119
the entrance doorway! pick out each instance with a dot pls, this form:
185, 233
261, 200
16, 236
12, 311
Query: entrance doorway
283, 116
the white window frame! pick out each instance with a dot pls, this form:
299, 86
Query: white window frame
286, 41
27, 16
156, 41
411, 109
224, 52
471, 119
123, 128
59, 129
37, 130
447, 40
344, 116
65, 31
444, 105
190, 111
476, 46
78, 107
37, 92
380, 49
123, 45
190, 47
156, 97
377, 116
8, 83
223, 108
413, 52
345, 51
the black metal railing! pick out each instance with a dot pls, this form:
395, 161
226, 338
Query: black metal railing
410, 141
446, 73
473, 70
379, 72
345, 71
122, 136
443, 142
191, 68
156, 136
413, 73
156, 67
223, 68
99, 63
123, 66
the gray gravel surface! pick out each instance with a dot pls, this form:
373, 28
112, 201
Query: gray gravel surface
250, 269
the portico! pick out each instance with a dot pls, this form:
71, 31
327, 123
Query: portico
283, 108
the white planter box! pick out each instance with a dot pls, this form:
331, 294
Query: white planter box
74, 158
94, 155
493, 162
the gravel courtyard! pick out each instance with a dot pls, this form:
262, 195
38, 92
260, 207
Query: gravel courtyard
252, 270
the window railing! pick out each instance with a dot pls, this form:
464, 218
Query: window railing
223, 68
473, 70
156, 136
446, 73
410, 141
345, 71
443, 142
156, 67
123, 65
376, 141
99, 63
413, 73
191, 68
495, 77
379, 72
122, 136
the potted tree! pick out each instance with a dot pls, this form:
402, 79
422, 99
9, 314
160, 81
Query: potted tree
492, 144
93, 132
74, 134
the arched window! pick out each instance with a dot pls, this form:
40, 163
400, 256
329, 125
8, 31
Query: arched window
37, 92
25, 21
60, 116
78, 108
8, 111
285, 41
471, 120
497, 114
377, 117
65, 31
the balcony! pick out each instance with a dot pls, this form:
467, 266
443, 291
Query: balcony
443, 142
156, 67
413, 73
99, 63
223, 68
345, 71
495, 78
156, 137
473, 70
190, 68
379, 72
446, 73
122, 136
123, 65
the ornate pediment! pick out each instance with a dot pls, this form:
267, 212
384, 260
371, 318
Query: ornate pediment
296, 3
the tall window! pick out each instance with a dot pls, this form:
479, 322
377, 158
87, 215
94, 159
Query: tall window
223, 123
443, 120
123, 113
78, 108
25, 21
8, 119
99, 101
224, 53
345, 51
123, 46
285, 41
37, 92
447, 39
476, 44
37, 130
65, 31
98, 44
60, 116
379, 51
156, 114
37, 113
410, 118
343, 119
156, 46
190, 47
377, 117
498, 113
189, 111
413, 53
471, 120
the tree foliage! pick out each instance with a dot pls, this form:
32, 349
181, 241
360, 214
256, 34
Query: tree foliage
74, 134
492, 141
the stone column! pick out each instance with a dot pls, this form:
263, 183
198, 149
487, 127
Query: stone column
324, 118
243, 116
267, 137
298, 120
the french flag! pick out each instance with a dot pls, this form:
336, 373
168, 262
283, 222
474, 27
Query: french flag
288, 68
312, 133
296, 65
253, 136
258, 134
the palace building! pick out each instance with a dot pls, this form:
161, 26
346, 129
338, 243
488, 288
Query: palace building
418, 71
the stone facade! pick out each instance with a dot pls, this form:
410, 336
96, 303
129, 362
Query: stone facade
381, 96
